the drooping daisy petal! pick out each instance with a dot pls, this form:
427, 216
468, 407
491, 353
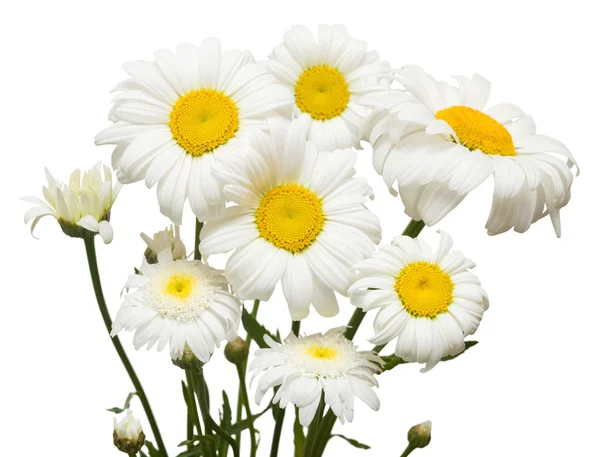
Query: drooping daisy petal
427, 299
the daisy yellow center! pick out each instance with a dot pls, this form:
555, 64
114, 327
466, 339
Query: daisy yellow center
424, 289
321, 352
203, 120
322, 92
476, 130
290, 217
180, 285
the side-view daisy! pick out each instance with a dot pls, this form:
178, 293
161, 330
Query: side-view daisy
180, 303
441, 143
333, 80
299, 218
428, 300
309, 366
168, 238
179, 114
81, 206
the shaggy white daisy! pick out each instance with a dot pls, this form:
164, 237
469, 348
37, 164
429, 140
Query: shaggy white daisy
181, 113
334, 81
440, 143
309, 366
179, 303
299, 219
428, 300
168, 238
83, 204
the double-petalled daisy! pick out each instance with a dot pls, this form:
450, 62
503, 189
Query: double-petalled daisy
333, 79
442, 142
307, 367
428, 300
181, 113
180, 303
81, 206
299, 218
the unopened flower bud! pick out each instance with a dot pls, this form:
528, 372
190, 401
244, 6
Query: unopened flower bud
128, 435
167, 238
419, 435
236, 351
188, 360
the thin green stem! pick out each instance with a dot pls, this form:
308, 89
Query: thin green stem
197, 255
309, 444
378, 349
192, 409
324, 433
244, 397
90, 250
408, 450
296, 327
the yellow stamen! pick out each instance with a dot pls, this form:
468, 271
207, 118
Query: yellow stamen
321, 352
322, 92
180, 286
202, 120
476, 130
290, 216
424, 289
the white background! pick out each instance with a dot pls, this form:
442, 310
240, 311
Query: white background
529, 388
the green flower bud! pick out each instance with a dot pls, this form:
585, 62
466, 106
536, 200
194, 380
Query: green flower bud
128, 435
236, 351
419, 435
188, 360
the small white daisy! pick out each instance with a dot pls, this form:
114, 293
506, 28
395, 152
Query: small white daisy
83, 205
129, 428
300, 218
428, 300
168, 238
179, 302
309, 366
441, 143
183, 112
333, 79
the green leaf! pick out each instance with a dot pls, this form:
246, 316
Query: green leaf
244, 424
152, 450
353, 442
392, 361
299, 437
225, 425
196, 450
143, 454
117, 410
256, 331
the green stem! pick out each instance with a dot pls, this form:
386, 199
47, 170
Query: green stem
192, 409
408, 450
90, 250
296, 327
378, 349
309, 445
197, 255
324, 433
209, 424
244, 397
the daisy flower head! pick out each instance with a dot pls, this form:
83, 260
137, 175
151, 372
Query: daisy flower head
180, 303
81, 206
168, 238
441, 142
299, 218
180, 114
309, 366
333, 79
428, 300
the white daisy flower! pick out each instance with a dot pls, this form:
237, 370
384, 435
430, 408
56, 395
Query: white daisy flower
299, 218
333, 79
309, 366
80, 206
428, 300
179, 302
168, 238
442, 143
183, 112
128, 435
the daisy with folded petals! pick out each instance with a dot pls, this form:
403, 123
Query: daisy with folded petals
81, 206
333, 79
179, 303
183, 112
299, 219
441, 142
307, 367
428, 300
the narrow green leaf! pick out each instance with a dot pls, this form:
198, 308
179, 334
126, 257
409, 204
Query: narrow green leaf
152, 451
299, 437
196, 450
256, 331
353, 442
225, 425
244, 424
392, 361
143, 454
117, 410
468, 345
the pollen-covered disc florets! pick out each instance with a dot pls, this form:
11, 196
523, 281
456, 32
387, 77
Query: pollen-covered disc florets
308, 366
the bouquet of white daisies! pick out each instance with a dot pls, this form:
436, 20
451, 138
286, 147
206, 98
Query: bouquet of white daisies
265, 154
